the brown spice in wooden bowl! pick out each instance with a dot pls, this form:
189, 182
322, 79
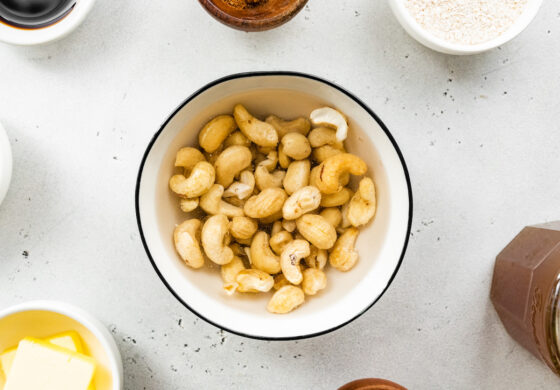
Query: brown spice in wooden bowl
253, 15
245, 3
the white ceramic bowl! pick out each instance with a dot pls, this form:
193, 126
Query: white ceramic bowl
19, 36
5, 163
381, 244
428, 39
46, 318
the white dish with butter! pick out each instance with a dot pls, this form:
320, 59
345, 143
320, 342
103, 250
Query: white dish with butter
37, 322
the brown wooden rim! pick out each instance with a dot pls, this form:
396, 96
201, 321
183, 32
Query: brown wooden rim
253, 24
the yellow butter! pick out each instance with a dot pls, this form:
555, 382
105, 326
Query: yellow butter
38, 364
6, 360
70, 340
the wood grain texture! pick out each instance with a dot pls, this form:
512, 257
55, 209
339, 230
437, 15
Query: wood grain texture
372, 384
263, 16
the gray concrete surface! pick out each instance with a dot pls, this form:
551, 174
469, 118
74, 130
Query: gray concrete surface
480, 135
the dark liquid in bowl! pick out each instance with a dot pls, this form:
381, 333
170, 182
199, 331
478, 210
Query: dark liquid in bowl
31, 14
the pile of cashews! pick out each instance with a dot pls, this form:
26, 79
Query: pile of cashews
269, 202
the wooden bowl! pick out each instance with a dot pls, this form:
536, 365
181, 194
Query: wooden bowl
265, 15
372, 384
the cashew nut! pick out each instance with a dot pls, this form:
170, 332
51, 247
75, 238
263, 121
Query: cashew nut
297, 176
279, 240
268, 202
265, 179
259, 132
337, 199
187, 158
253, 281
290, 258
186, 237
283, 158
262, 257
333, 215
247, 251
296, 146
317, 230
321, 153
215, 132
345, 221
302, 201
330, 117
187, 205
229, 273
322, 136
314, 176
299, 125
237, 138
286, 299
276, 228
363, 205
317, 258
230, 162
343, 256
334, 167
270, 161
289, 226
242, 188
314, 280
344, 179
215, 235
212, 203
198, 183
243, 228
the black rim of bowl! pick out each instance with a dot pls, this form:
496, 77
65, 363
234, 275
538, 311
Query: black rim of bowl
265, 74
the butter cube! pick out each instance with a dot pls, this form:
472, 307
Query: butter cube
6, 360
41, 365
70, 340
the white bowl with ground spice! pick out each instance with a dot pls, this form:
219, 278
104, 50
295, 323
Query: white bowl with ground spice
463, 27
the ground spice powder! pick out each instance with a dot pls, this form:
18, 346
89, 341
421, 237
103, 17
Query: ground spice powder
244, 3
466, 21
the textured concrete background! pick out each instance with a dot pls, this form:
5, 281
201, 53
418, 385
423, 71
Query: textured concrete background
480, 135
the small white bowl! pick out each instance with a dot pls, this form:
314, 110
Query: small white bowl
46, 318
426, 38
5, 163
381, 244
26, 37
